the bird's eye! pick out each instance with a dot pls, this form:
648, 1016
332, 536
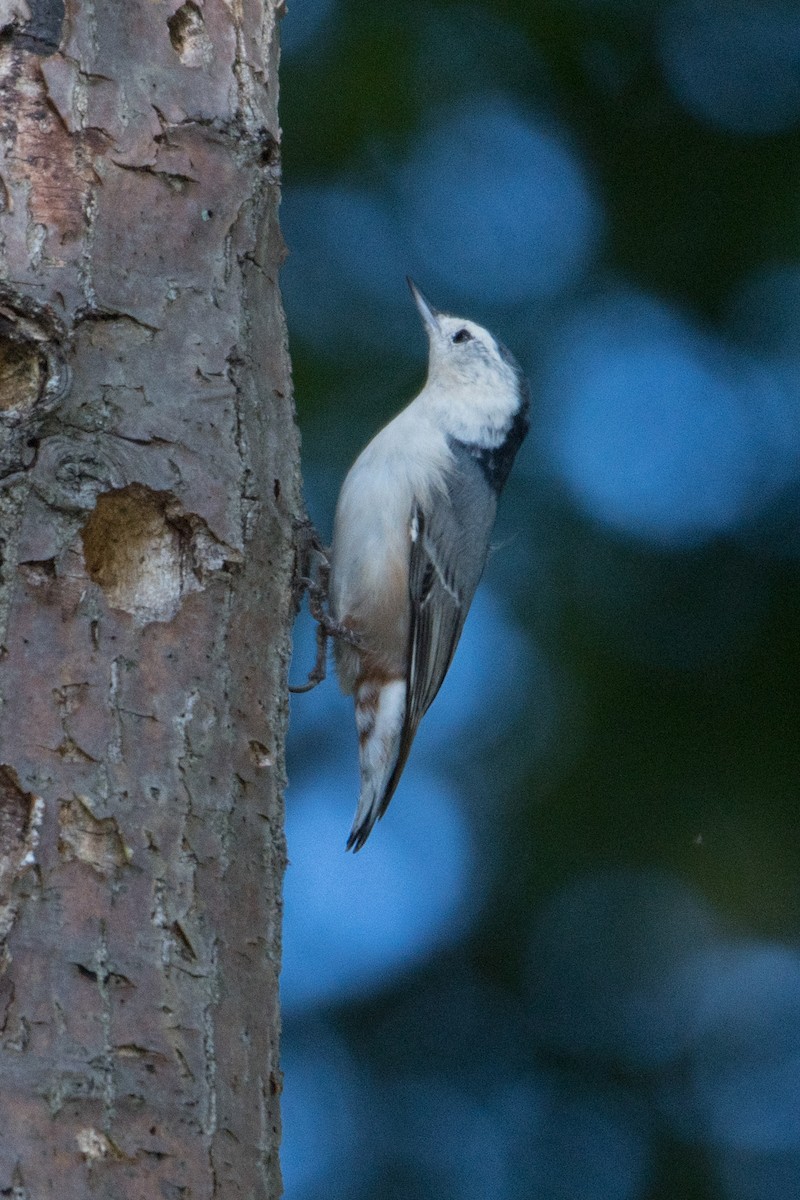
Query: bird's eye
463, 335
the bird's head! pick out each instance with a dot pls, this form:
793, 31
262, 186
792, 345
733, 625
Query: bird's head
469, 365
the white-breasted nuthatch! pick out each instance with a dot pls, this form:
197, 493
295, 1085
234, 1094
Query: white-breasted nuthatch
410, 542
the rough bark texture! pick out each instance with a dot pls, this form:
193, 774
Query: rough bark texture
148, 490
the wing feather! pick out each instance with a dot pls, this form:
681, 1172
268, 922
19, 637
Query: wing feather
449, 544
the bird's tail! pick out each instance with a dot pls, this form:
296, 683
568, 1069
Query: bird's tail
380, 715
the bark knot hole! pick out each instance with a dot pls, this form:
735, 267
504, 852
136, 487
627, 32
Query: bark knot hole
15, 813
21, 373
33, 364
188, 36
21, 815
34, 375
146, 552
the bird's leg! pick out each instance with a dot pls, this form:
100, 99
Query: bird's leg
320, 668
311, 548
309, 553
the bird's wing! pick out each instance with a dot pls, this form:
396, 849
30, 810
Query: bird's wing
449, 545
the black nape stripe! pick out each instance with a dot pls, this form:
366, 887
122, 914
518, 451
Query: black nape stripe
495, 462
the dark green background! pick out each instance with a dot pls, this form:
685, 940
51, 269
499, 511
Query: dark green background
660, 822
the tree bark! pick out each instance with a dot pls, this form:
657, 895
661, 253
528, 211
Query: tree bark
149, 488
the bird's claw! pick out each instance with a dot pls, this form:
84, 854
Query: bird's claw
310, 546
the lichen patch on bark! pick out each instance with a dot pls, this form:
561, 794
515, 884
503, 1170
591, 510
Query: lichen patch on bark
93, 840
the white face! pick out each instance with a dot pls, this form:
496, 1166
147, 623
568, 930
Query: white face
472, 384
462, 350
465, 349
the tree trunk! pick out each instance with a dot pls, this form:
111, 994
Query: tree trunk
149, 488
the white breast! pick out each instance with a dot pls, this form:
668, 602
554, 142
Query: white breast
369, 579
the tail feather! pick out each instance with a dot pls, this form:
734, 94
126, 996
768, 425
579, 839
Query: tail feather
380, 713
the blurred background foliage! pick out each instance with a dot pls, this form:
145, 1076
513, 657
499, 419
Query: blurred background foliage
566, 964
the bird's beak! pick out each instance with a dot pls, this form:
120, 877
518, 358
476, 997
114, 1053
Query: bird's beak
430, 316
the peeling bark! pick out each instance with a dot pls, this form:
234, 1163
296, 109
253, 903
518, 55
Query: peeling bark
149, 490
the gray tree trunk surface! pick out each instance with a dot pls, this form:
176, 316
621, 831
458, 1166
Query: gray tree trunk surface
149, 487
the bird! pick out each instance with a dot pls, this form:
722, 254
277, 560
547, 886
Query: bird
410, 541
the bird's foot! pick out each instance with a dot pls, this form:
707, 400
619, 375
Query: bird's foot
313, 577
